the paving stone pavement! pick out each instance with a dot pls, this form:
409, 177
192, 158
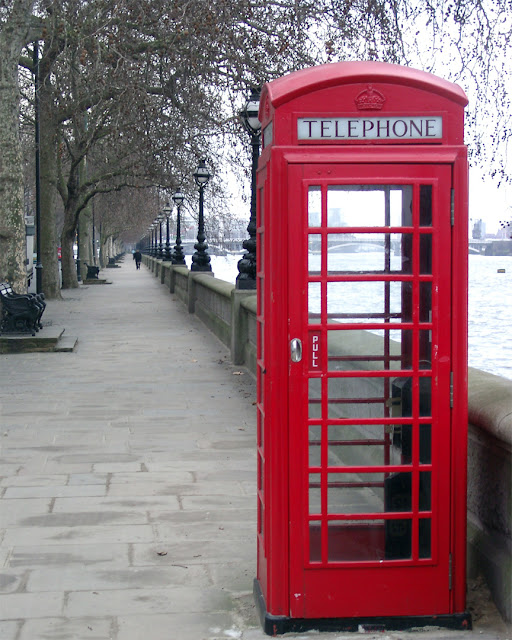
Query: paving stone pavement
127, 479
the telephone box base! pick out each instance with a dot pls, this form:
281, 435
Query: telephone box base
277, 625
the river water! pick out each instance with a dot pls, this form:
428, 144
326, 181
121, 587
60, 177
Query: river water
490, 309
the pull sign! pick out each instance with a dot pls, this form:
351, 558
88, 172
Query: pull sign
315, 351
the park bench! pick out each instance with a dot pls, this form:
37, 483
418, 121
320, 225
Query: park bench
92, 271
112, 263
21, 312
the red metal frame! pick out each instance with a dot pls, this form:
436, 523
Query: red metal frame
294, 584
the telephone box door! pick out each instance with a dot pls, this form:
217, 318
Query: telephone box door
369, 282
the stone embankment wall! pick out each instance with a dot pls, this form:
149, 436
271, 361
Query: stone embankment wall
231, 316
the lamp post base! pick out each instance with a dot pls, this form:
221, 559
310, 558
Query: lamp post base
245, 283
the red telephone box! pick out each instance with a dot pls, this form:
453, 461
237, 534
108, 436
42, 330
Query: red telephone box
362, 349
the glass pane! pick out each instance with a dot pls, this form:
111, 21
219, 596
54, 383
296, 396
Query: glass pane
425, 205
398, 491
425, 502
401, 206
355, 493
315, 541
314, 289
361, 445
314, 206
351, 349
425, 444
348, 206
425, 550
315, 504
425, 396
314, 253
398, 539
369, 253
356, 540
425, 253
315, 441
402, 394
358, 397
369, 301
402, 443
425, 350
315, 395
369, 206
425, 311
368, 540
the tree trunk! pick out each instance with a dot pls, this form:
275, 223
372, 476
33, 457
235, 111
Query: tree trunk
85, 236
103, 249
12, 224
67, 239
48, 138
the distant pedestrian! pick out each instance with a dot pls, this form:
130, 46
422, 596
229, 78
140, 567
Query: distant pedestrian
137, 256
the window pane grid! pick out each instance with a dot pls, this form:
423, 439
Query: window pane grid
402, 264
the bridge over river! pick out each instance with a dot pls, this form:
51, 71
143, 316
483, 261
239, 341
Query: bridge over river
491, 247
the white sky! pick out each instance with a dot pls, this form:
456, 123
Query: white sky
488, 202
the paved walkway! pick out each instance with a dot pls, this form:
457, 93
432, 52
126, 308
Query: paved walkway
127, 487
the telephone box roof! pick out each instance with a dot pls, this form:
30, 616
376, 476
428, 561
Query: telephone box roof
305, 81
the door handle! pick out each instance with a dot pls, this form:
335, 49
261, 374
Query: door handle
295, 350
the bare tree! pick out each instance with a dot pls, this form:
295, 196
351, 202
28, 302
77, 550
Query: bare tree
140, 90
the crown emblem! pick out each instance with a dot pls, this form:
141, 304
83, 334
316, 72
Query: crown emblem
370, 100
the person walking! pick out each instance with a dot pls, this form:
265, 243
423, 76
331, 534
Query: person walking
137, 256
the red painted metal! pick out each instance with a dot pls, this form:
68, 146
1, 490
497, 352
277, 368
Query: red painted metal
362, 442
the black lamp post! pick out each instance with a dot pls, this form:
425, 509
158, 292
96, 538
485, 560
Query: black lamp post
159, 220
201, 259
246, 278
39, 266
153, 243
178, 257
167, 213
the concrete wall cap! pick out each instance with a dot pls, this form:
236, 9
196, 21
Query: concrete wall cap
490, 404
220, 286
250, 303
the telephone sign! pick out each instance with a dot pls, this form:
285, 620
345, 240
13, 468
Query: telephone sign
395, 128
361, 370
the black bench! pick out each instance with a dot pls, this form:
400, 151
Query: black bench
92, 271
21, 312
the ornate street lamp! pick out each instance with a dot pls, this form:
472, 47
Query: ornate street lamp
167, 213
201, 259
159, 219
178, 257
246, 278
153, 243
39, 266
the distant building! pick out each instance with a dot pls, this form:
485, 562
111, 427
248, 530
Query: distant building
478, 230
